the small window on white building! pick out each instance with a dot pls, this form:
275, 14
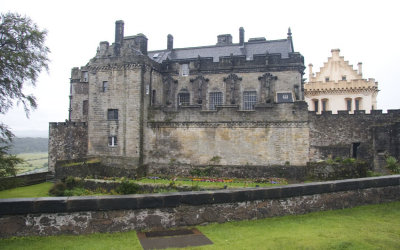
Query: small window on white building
344, 78
112, 141
324, 103
184, 69
326, 79
348, 104
316, 107
357, 103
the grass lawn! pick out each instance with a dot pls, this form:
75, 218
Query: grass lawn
38, 190
366, 227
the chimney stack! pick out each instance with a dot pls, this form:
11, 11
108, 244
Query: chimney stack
359, 68
119, 31
141, 42
170, 42
241, 36
310, 73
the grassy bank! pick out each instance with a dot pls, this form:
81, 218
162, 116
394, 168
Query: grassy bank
38, 190
366, 227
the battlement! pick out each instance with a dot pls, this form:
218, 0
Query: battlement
67, 124
357, 113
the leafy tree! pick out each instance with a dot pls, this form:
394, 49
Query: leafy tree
23, 55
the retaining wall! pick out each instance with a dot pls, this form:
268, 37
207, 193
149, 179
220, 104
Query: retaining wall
78, 215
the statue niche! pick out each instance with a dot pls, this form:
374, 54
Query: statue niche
232, 89
267, 87
199, 87
170, 86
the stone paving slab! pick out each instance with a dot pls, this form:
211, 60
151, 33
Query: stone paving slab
172, 238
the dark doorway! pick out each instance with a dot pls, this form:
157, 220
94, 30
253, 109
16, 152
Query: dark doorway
355, 149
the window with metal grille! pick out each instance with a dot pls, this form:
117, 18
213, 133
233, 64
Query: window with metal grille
112, 141
112, 114
215, 100
249, 100
358, 103
183, 99
316, 108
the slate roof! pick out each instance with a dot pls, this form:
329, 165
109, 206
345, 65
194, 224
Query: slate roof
283, 47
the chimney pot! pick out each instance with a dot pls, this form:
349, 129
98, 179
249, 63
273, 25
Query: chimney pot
359, 68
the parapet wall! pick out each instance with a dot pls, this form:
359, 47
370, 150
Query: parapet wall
79, 215
353, 135
67, 141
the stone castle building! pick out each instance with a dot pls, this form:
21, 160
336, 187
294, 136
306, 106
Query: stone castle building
238, 106
337, 86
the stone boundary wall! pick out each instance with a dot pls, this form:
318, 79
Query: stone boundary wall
67, 140
77, 215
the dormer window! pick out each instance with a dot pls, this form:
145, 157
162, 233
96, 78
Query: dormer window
185, 69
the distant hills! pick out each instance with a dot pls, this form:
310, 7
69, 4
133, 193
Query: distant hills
29, 145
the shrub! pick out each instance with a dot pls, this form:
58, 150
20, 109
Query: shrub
72, 182
127, 187
58, 189
393, 165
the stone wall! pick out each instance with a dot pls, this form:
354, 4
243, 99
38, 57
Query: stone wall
275, 135
356, 135
67, 141
80, 215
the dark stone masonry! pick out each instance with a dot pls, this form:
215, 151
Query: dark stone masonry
80, 215
172, 110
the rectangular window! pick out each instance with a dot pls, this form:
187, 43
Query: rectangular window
215, 100
85, 76
112, 114
112, 141
316, 108
249, 100
326, 79
105, 86
185, 69
348, 104
284, 97
85, 107
324, 105
183, 99
343, 78
357, 103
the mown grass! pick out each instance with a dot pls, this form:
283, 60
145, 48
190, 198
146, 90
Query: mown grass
38, 190
366, 227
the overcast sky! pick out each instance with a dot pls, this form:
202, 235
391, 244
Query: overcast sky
364, 31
